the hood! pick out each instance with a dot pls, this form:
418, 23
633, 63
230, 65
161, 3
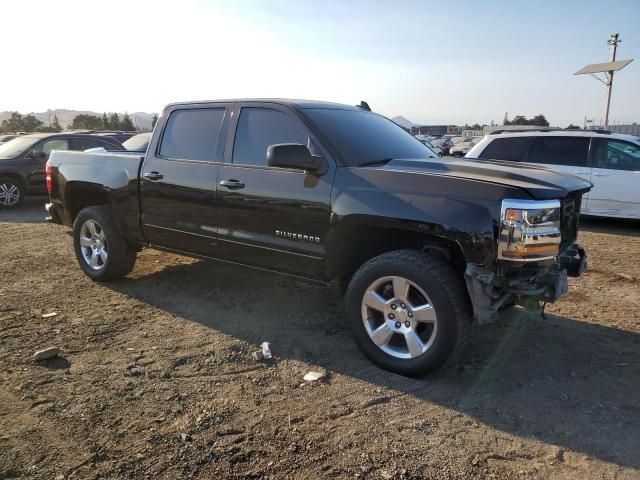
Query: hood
540, 182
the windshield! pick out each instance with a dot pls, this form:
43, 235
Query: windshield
363, 137
138, 143
16, 147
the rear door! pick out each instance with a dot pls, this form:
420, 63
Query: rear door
566, 154
615, 175
178, 179
274, 218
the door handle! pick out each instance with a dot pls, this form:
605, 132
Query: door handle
232, 184
600, 174
580, 172
153, 176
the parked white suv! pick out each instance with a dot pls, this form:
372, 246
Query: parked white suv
610, 161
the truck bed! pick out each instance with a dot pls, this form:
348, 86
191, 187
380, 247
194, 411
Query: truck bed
110, 175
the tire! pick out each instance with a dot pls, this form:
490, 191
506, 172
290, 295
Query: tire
436, 309
11, 193
102, 243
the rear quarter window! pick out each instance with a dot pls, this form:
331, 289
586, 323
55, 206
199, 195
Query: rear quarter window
511, 148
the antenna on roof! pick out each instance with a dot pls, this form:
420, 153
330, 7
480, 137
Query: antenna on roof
364, 106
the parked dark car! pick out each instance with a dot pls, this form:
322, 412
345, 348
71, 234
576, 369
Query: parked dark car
22, 161
138, 143
330, 192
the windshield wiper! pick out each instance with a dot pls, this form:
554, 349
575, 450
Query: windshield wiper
371, 163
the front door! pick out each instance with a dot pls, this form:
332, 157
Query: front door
179, 180
36, 175
616, 179
270, 217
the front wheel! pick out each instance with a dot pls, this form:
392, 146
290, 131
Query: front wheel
408, 311
100, 250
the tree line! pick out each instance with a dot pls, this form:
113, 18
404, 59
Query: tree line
29, 123
538, 120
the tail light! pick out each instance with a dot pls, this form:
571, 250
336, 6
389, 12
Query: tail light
49, 177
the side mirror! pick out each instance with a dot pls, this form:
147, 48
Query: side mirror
39, 156
295, 155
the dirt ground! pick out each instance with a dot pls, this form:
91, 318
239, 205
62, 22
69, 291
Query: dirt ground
155, 377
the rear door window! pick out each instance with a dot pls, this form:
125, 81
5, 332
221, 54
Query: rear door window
570, 151
83, 143
508, 148
258, 128
193, 134
108, 146
616, 155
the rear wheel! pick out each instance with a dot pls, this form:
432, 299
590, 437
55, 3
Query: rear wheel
408, 311
11, 193
101, 251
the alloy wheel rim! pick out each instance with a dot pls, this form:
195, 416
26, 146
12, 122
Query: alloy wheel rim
9, 194
399, 317
93, 245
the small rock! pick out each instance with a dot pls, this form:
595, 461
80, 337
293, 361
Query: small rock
185, 437
475, 461
564, 397
59, 477
623, 276
559, 455
49, 315
313, 376
46, 354
257, 356
135, 371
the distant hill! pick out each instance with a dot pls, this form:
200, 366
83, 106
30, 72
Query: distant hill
403, 122
141, 120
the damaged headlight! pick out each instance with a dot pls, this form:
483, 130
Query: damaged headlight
529, 230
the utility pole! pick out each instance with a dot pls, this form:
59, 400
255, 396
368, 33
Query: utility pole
613, 46
607, 69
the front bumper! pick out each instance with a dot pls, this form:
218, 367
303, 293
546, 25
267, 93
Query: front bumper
490, 290
574, 260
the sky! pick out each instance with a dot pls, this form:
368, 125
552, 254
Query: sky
433, 62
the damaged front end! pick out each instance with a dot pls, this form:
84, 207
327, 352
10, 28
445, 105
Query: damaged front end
534, 260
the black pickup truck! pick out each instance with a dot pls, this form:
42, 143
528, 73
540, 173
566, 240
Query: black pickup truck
323, 191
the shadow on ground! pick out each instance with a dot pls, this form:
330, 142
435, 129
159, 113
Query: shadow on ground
615, 226
31, 211
559, 381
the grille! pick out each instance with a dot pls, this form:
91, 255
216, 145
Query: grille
569, 219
